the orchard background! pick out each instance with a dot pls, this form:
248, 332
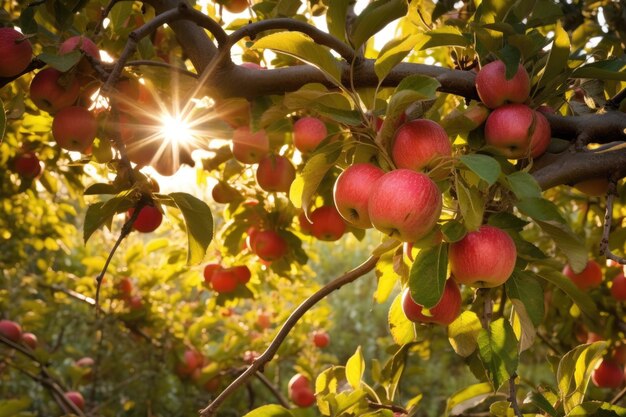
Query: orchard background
170, 243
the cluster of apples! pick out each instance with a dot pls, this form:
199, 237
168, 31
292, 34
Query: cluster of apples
513, 129
226, 280
592, 277
190, 367
300, 391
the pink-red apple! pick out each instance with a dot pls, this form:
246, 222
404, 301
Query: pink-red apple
404, 204
16, 52
76, 398
483, 258
275, 173
249, 147
588, 278
327, 224
444, 313
494, 89
30, 340
269, 245
608, 374
243, 274
11, 330
51, 93
81, 43
74, 128
148, 219
224, 281
352, 191
308, 133
419, 144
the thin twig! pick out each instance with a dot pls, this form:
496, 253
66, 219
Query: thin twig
284, 331
619, 396
148, 63
513, 395
378, 406
608, 220
274, 390
614, 102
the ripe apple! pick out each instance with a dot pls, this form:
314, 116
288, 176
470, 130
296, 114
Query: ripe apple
495, 90
223, 193
352, 191
125, 287
250, 238
224, 280
77, 398
327, 224
302, 397
298, 382
608, 374
148, 219
517, 131
16, 52
594, 187
275, 173
269, 245
404, 204
135, 302
209, 270
11, 330
263, 319
27, 165
85, 362
30, 340
321, 339
444, 313
236, 6
74, 128
305, 224
308, 132
588, 278
51, 93
248, 147
618, 289
243, 274
418, 144
81, 43
483, 258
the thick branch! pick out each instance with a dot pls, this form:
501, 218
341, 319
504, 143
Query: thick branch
293, 319
596, 128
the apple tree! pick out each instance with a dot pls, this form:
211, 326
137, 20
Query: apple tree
185, 184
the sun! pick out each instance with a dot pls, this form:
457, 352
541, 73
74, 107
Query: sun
175, 129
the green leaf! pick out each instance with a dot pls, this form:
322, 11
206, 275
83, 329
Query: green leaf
471, 395
393, 371
301, 46
9, 408
374, 18
574, 372
540, 209
497, 348
101, 213
199, 223
484, 166
336, 18
63, 62
471, 204
386, 276
427, 278
523, 185
463, 333
402, 329
443, 36
525, 287
541, 402
271, 410
568, 242
3, 121
100, 188
597, 409
392, 54
557, 59
613, 69
355, 368
453, 231
584, 302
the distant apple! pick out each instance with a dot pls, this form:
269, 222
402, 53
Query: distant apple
308, 133
297, 382
275, 173
404, 204
148, 220
223, 193
125, 287
249, 147
321, 339
51, 93
494, 89
352, 191
235, 6
27, 165
444, 313
588, 278
76, 398
16, 52
74, 128
263, 319
81, 43
327, 223
618, 289
11, 330
483, 258
30, 340
419, 144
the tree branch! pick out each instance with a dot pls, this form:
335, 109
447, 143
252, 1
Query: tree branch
273, 389
608, 220
293, 319
513, 396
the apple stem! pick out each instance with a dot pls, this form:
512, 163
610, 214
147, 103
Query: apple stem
296, 315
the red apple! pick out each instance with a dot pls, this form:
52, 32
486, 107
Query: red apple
209, 270
275, 173
212, 384
327, 224
298, 382
588, 278
305, 224
16, 52
517, 131
419, 144
125, 287
85, 362
52, 93
321, 339
224, 281
352, 191
263, 319
27, 165
243, 274
249, 147
250, 238
594, 187
495, 90
76, 398
135, 302
483, 258
607, 374
148, 219
444, 313
81, 43
302, 397
308, 132
269, 245
404, 204
30, 340
236, 6
618, 289
74, 128
11, 330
